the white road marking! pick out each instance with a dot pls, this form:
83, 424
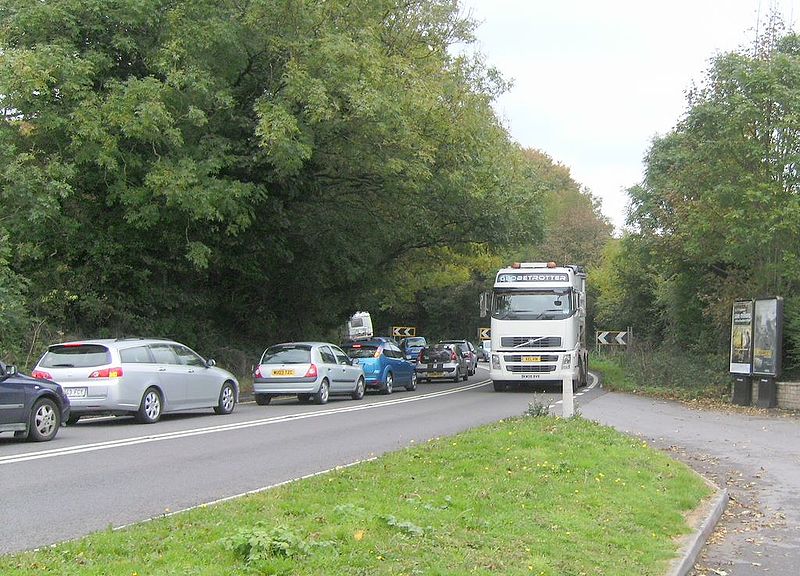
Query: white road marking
68, 450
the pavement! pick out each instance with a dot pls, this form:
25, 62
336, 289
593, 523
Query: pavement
751, 455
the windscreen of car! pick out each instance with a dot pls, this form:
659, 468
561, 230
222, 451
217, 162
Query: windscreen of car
75, 356
418, 341
287, 354
539, 305
361, 350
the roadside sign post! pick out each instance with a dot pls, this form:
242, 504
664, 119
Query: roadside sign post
568, 406
403, 331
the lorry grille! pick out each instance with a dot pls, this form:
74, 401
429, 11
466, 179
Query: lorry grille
531, 368
531, 341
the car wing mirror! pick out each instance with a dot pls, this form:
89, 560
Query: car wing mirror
210, 363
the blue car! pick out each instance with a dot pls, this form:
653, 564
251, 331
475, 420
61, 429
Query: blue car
383, 364
411, 347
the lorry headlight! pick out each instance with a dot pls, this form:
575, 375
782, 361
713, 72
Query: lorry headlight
495, 362
566, 362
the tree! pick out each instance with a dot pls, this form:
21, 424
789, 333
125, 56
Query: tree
239, 172
717, 214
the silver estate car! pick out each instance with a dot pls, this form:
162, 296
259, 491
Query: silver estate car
143, 377
311, 370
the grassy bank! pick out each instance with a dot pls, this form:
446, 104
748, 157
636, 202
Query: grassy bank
533, 495
674, 374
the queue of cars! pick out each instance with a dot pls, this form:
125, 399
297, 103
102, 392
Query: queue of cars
148, 377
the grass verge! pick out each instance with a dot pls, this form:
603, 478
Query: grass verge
665, 373
531, 495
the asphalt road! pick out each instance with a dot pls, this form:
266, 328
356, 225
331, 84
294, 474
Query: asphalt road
111, 472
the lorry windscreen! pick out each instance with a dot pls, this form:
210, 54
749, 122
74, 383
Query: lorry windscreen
532, 305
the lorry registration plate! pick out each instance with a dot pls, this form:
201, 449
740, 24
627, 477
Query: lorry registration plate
531, 358
530, 376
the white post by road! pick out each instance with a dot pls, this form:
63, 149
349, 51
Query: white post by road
566, 397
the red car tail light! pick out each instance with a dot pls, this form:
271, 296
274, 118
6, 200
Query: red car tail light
42, 375
312, 371
453, 356
107, 373
421, 357
257, 372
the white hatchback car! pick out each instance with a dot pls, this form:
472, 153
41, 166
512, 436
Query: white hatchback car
312, 370
143, 377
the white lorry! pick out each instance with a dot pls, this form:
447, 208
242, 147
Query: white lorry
538, 325
359, 327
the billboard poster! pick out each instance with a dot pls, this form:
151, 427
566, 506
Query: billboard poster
742, 337
767, 336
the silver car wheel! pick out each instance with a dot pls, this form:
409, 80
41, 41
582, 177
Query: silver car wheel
321, 397
227, 399
358, 393
150, 408
389, 384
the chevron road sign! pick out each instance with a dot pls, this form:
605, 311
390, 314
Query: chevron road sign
609, 338
484, 333
404, 331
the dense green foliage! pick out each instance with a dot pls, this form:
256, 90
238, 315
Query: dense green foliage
718, 213
665, 371
542, 496
232, 174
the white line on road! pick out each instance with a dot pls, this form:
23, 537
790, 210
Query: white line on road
68, 450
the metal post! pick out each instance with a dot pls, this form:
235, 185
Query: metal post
568, 408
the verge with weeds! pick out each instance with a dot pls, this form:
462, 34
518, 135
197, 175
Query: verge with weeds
531, 495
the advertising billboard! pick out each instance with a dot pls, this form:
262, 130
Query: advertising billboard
767, 336
742, 337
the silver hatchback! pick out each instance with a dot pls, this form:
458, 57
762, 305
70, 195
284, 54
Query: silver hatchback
143, 377
312, 370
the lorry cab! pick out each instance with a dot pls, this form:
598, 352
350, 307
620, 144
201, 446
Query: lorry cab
538, 319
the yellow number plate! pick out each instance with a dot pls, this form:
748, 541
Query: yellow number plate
531, 358
282, 372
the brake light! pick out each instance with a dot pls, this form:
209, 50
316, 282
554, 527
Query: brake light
420, 356
257, 373
41, 375
107, 373
312, 371
72, 345
453, 356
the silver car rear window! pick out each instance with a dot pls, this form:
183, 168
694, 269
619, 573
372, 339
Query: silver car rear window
287, 354
75, 356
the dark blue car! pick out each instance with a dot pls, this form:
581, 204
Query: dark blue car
29, 407
411, 347
383, 364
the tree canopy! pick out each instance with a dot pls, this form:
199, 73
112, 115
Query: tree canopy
243, 172
717, 214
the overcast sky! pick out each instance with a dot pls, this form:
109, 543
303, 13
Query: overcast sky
596, 80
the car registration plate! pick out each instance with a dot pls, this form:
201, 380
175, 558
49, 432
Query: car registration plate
283, 372
435, 374
76, 392
531, 358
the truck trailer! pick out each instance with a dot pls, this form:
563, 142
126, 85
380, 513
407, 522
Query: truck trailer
538, 325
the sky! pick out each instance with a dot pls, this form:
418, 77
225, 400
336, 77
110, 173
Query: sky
594, 81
